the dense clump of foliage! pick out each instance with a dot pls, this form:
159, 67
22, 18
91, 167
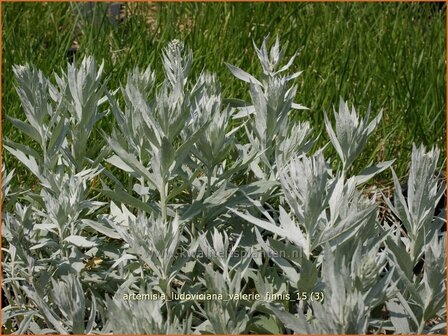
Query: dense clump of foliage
177, 225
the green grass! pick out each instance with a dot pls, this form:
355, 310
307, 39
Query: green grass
391, 55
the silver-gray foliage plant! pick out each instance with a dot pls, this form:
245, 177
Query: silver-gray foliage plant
193, 194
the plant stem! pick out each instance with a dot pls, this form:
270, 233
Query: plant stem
163, 204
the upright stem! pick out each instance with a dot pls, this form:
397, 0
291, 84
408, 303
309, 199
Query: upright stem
168, 305
421, 327
209, 182
163, 201
207, 193
163, 205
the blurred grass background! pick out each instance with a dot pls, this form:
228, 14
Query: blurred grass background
391, 55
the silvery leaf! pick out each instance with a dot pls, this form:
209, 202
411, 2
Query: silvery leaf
240, 74
79, 241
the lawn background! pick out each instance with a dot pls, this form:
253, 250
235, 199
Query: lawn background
391, 55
